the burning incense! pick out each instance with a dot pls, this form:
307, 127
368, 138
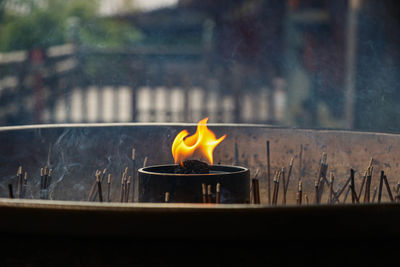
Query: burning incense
109, 188
268, 174
218, 193
204, 192
10, 191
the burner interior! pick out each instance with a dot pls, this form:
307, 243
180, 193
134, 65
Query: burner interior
155, 181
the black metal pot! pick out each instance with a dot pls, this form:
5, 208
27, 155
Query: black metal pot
155, 181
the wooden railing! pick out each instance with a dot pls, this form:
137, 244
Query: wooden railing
77, 84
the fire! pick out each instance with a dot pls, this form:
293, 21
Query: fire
202, 143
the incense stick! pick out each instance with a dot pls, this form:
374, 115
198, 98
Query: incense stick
299, 194
342, 189
283, 184
316, 192
109, 188
19, 181
275, 187
306, 199
24, 185
364, 179
133, 174
255, 191
122, 193
98, 180
380, 187
374, 195
10, 191
204, 192
218, 193
268, 174
127, 189
289, 174
236, 154
332, 179
388, 188
209, 194
352, 187
92, 188
101, 181
301, 162
368, 185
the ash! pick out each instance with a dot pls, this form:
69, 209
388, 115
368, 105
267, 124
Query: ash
192, 167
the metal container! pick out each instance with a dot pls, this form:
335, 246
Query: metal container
155, 181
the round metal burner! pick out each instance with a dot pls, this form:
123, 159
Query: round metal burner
155, 181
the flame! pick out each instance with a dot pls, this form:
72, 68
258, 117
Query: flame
202, 143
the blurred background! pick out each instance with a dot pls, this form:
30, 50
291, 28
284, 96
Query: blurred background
297, 63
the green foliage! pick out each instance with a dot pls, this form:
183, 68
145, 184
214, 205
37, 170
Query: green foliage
25, 24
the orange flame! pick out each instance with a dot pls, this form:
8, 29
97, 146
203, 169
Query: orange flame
202, 143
